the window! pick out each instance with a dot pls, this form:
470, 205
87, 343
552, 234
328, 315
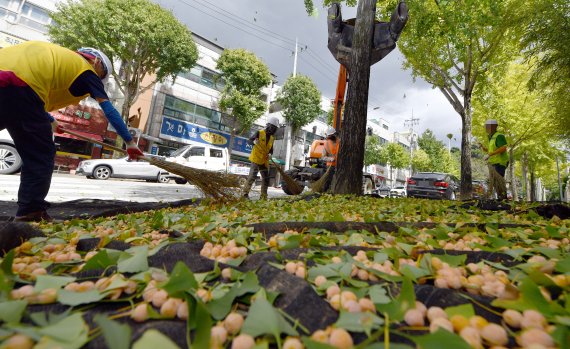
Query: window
12, 5
188, 111
204, 76
197, 151
216, 153
34, 17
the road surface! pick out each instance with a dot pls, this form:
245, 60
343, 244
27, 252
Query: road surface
65, 187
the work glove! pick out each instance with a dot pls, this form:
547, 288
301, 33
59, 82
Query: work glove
486, 158
134, 152
56, 128
256, 141
328, 158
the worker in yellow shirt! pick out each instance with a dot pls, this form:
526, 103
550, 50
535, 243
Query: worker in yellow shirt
262, 142
38, 77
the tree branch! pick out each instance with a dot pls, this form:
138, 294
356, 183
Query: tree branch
448, 78
452, 98
461, 71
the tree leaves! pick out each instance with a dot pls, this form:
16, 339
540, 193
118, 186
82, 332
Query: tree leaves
264, 319
153, 339
301, 101
117, 335
134, 260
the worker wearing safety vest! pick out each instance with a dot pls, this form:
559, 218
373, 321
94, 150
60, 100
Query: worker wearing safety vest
330, 156
497, 158
262, 142
38, 77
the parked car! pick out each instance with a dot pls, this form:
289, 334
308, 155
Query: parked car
399, 191
10, 161
204, 157
122, 168
382, 190
433, 185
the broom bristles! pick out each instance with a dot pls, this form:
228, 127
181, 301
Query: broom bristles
215, 184
318, 186
292, 184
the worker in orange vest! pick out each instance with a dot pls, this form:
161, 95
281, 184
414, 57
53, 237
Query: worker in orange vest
39, 77
330, 156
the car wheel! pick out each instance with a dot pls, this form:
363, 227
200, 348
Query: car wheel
10, 160
367, 186
162, 178
102, 172
180, 181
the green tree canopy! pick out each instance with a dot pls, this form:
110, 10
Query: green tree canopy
421, 161
301, 101
372, 150
453, 45
140, 35
244, 75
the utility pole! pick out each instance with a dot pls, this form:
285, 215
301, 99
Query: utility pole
411, 123
289, 130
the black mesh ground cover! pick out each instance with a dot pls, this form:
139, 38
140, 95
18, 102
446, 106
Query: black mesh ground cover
94, 208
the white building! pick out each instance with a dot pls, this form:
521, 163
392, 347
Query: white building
24, 20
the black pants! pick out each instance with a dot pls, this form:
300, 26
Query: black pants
22, 114
329, 179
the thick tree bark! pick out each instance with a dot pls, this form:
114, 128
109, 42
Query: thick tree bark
466, 175
348, 176
532, 184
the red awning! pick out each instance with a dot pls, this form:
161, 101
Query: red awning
85, 134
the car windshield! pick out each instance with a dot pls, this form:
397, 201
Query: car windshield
399, 188
178, 152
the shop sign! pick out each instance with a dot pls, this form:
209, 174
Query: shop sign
186, 132
9, 40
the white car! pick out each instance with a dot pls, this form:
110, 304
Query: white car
399, 191
121, 168
10, 161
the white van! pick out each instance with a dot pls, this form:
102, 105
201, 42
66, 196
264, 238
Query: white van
10, 161
205, 157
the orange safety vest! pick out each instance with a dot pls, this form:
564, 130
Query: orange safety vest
48, 69
331, 149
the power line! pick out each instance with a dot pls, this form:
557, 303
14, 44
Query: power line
245, 21
234, 26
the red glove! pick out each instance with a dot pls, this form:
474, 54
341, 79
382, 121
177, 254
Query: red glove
134, 152
59, 129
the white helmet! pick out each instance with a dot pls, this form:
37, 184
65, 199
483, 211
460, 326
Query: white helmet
273, 120
330, 131
491, 122
107, 65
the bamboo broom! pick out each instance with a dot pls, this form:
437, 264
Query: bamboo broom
292, 184
318, 186
214, 184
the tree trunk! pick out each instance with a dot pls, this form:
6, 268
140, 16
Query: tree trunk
466, 177
514, 189
348, 176
532, 184
525, 177
232, 136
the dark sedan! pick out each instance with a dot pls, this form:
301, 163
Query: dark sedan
433, 185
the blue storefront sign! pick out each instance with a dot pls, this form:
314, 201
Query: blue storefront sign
186, 132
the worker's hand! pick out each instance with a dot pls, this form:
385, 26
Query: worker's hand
256, 141
55, 127
328, 158
133, 150
486, 158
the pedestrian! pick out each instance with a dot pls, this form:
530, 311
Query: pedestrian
38, 77
262, 142
497, 158
330, 156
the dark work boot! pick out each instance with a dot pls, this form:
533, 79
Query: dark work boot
37, 216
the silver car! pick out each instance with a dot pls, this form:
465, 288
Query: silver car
10, 161
121, 168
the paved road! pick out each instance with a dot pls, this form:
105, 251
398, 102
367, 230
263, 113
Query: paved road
65, 187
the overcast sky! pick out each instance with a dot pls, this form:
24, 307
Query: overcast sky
269, 28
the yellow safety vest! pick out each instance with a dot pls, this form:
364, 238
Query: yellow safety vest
497, 159
260, 153
48, 69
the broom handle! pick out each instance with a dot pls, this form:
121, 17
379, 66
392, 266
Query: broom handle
91, 140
